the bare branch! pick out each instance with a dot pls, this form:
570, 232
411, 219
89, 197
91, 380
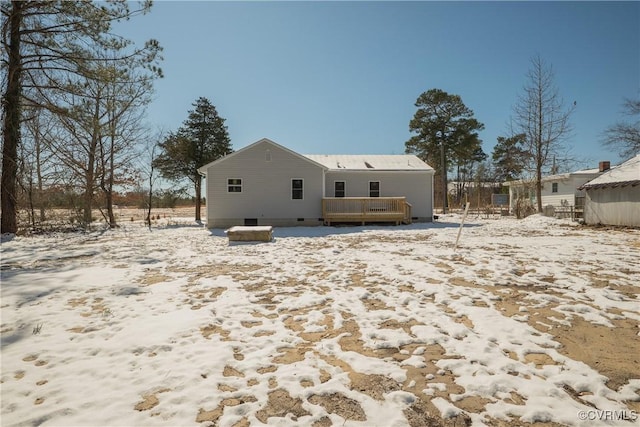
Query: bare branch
624, 136
540, 115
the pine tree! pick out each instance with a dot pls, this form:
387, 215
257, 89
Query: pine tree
446, 133
201, 139
46, 47
510, 157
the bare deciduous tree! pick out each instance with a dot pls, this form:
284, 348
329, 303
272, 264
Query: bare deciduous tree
149, 171
97, 135
38, 169
540, 115
46, 45
624, 136
124, 98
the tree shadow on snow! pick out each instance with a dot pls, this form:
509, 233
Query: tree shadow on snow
14, 336
26, 294
343, 229
173, 224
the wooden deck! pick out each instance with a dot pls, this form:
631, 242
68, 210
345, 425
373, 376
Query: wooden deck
366, 209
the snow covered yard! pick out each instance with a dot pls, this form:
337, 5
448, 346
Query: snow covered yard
533, 321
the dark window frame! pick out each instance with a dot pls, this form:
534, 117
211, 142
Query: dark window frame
343, 191
297, 192
234, 185
374, 192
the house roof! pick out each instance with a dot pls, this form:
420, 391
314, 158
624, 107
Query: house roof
362, 162
203, 169
557, 177
379, 162
627, 173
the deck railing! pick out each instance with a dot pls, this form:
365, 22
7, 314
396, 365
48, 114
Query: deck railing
366, 209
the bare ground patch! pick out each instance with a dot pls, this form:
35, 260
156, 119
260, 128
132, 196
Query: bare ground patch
280, 404
341, 405
581, 341
149, 400
595, 344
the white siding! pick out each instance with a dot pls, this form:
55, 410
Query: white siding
613, 206
567, 190
416, 186
266, 188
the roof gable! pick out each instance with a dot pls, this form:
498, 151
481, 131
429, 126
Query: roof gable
344, 162
203, 169
627, 173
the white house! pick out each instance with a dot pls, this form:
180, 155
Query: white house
268, 184
557, 190
613, 198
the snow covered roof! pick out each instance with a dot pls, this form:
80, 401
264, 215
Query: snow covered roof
628, 173
556, 177
584, 172
379, 162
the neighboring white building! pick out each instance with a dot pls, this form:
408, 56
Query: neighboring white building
466, 186
557, 190
268, 184
613, 198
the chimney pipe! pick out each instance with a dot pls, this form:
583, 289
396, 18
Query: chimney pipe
604, 166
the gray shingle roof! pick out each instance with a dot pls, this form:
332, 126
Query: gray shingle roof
383, 162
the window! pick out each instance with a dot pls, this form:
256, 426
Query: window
554, 187
296, 189
234, 185
267, 155
338, 189
374, 188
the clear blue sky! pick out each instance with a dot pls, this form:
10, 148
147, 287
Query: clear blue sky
343, 77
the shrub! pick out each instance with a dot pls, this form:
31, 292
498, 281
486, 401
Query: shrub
523, 208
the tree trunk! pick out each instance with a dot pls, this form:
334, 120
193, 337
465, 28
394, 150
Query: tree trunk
109, 189
443, 166
90, 172
198, 181
11, 125
108, 195
540, 158
150, 199
39, 178
32, 209
87, 201
459, 184
539, 188
539, 163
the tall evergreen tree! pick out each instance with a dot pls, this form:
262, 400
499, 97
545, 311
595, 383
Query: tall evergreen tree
46, 46
201, 139
468, 156
510, 157
446, 133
